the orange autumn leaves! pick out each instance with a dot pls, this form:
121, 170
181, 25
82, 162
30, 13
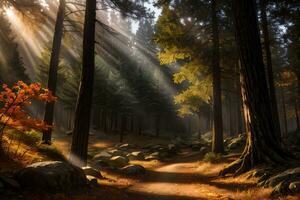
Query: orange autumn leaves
13, 103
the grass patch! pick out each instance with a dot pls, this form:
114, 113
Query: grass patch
51, 152
212, 157
31, 138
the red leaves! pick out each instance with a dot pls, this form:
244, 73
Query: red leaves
14, 100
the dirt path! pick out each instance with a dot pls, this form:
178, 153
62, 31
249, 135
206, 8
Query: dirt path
189, 180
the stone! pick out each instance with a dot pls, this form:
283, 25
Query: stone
118, 161
51, 176
294, 187
136, 155
204, 150
92, 172
116, 152
133, 170
125, 146
103, 155
290, 174
92, 180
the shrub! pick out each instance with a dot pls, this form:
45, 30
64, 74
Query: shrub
212, 157
30, 138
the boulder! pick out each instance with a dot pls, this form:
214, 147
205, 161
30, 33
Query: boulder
294, 187
125, 146
288, 175
133, 170
116, 152
153, 156
136, 155
103, 155
118, 161
52, 176
89, 171
92, 180
204, 150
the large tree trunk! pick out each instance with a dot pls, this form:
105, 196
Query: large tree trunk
296, 114
84, 103
285, 123
270, 76
54, 61
262, 145
217, 141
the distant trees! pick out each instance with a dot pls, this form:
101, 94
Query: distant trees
11, 63
185, 40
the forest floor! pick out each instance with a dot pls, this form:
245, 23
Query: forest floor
183, 177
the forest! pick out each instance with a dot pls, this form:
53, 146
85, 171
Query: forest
149, 99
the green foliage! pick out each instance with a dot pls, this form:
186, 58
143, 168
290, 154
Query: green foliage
30, 138
212, 157
51, 152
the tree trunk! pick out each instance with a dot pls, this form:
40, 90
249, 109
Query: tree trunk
140, 125
157, 125
123, 125
285, 123
84, 103
54, 62
217, 140
262, 145
296, 115
270, 74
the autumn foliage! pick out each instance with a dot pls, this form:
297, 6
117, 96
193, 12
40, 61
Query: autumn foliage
13, 104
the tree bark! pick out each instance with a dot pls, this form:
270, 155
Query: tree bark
270, 75
262, 145
157, 125
54, 62
217, 137
297, 115
79, 146
285, 123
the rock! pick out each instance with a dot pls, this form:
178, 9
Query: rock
133, 170
92, 180
54, 176
92, 172
103, 155
204, 150
290, 174
118, 161
116, 152
125, 146
136, 155
294, 187
9, 182
153, 156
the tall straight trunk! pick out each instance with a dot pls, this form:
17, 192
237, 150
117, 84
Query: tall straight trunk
262, 145
140, 125
54, 61
217, 139
285, 123
270, 75
111, 120
123, 125
79, 146
157, 125
296, 114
